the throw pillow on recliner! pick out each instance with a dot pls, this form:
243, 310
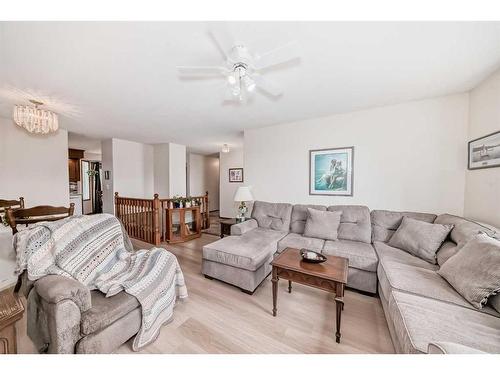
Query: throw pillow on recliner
420, 238
322, 224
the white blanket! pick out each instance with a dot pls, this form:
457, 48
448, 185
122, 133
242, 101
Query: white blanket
91, 249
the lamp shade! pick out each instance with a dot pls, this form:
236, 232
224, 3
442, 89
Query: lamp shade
243, 194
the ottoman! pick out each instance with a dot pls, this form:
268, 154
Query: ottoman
242, 261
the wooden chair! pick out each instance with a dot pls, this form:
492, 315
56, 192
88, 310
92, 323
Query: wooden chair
5, 204
36, 214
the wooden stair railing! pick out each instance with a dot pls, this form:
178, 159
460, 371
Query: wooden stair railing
145, 219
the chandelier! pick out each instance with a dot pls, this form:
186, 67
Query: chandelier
34, 119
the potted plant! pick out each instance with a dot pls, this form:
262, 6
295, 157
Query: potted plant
176, 200
187, 202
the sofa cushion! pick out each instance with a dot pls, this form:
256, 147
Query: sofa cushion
475, 270
274, 216
248, 251
465, 229
451, 348
322, 224
385, 223
419, 321
298, 241
446, 251
398, 276
106, 310
420, 238
385, 251
361, 255
243, 227
299, 216
355, 224
494, 302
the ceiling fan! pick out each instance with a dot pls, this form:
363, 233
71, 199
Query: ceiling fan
241, 69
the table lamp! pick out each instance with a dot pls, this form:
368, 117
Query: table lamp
243, 195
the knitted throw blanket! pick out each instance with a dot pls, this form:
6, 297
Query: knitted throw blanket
92, 250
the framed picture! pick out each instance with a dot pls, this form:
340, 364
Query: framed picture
484, 152
235, 174
331, 171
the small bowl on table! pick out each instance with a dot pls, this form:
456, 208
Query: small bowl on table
310, 256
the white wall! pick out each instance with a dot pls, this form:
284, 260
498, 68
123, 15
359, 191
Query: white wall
203, 176
177, 169
232, 159
33, 166
482, 190
161, 168
133, 165
407, 157
93, 156
212, 181
169, 170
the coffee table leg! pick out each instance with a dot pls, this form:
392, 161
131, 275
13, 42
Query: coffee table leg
275, 290
289, 286
339, 304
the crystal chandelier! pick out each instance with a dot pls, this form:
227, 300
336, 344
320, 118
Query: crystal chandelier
34, 119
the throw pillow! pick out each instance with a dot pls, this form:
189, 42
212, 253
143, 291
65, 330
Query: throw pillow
420, 238
322, 224
495, 302
474, 271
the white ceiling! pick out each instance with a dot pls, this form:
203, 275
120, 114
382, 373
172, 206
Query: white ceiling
118, 79
83, 142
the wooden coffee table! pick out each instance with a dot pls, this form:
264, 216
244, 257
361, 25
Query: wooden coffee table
330, 276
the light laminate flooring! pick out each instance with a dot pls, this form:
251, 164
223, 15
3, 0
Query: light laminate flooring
219, 318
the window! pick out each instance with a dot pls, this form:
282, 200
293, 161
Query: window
85, 180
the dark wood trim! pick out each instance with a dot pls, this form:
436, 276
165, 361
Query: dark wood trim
36, 214
468, 153
74, 153
352, 171
6, 203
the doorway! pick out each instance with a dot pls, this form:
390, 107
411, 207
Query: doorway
91, 186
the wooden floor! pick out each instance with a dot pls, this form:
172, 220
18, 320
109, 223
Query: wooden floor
219, 318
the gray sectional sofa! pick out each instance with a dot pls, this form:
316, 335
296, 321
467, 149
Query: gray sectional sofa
243, 258
424, 313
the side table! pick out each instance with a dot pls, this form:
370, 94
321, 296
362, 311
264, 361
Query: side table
11, 310
225, 227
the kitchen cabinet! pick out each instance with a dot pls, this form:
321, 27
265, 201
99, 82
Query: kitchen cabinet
74, 170
74, 157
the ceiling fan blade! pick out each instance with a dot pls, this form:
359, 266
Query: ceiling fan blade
222, 38
201, 70
267, 86
277, 56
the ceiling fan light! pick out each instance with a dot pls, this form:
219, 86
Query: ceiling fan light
236, 91
249, 83
231, 79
